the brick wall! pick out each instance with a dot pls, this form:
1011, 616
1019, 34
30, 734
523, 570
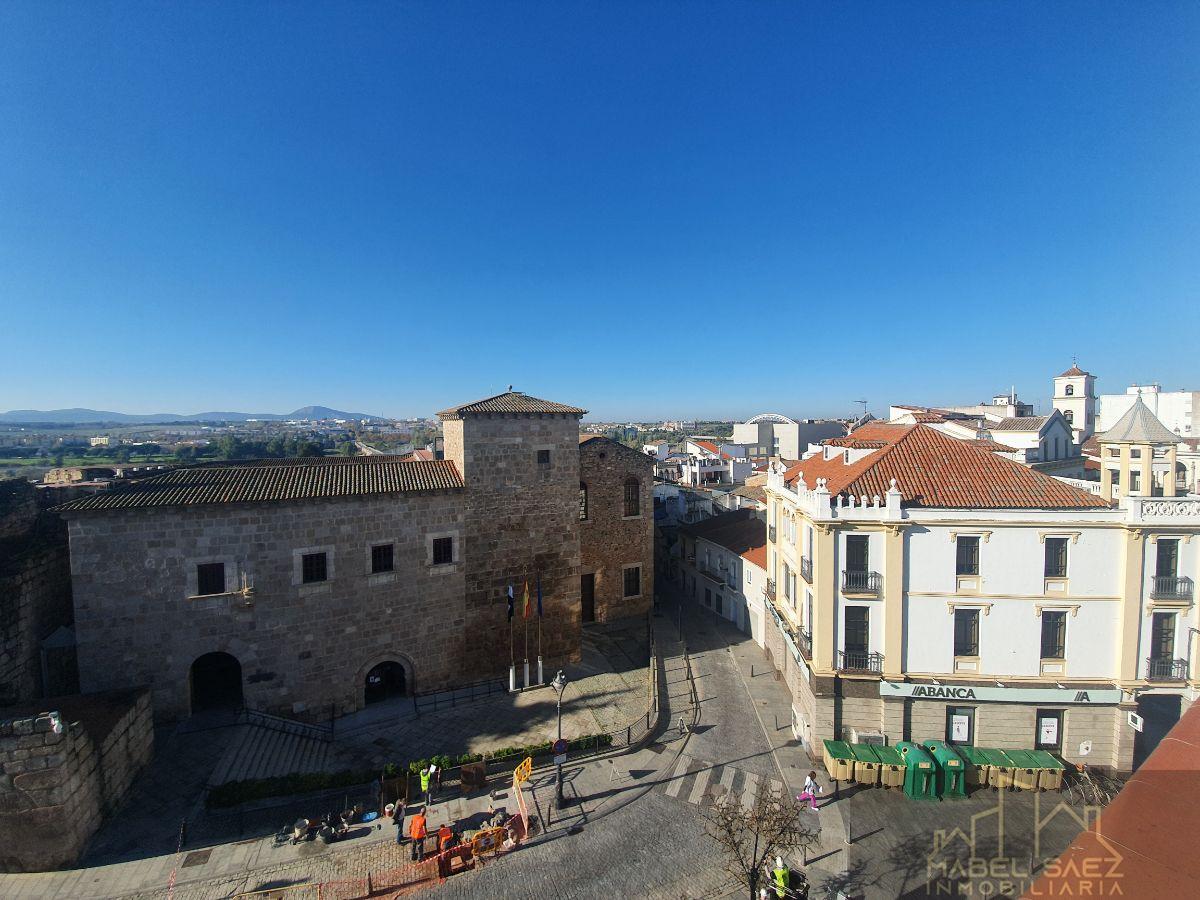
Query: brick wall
59, 774
608, 541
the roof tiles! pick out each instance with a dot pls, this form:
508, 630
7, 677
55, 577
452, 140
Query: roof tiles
510, 403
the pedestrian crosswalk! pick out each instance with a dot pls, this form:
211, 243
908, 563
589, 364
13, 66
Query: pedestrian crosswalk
699, 782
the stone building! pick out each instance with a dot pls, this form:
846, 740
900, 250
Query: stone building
311, 587
616, 529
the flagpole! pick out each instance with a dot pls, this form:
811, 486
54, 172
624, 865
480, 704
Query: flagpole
512, 655
541, 679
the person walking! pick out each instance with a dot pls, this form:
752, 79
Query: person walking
445, 836
811, 789
417, 831
398, 821
425, 775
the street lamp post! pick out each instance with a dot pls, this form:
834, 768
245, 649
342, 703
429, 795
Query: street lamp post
560, 685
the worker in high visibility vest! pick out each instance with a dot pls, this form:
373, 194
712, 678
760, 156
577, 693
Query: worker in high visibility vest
417, 831
425, 785
783, 878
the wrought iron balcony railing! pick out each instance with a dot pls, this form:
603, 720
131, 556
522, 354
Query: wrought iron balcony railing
804, 643
806, 569
1170, 587
859, 661
1166, 669
854, 582
771, 533
771, 589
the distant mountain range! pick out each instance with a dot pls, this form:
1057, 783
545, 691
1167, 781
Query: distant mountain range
100, 416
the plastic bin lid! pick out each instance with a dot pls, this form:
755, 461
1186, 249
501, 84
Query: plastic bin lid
914, 753
889, 756
1024, 759
997, 758
864, 753
838, 749
971, 754
1046, 760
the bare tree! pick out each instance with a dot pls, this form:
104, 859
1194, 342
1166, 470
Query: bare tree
751, 838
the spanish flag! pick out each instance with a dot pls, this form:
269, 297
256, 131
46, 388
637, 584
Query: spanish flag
525, 612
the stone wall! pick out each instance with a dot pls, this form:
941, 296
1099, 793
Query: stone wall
304, 649
63, 770
608, 540
35, 595
521, 519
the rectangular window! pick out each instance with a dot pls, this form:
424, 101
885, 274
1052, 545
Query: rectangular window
382, 558
543, 457
210, 578
857, 559
1162, 636
1049, 729
1056, 557
633, 500
443, 551
313, 568
858, 630
633, 581
808, 611
1135, 453
966, 632
1054, 634
787, 581
1168, 558
967, 561
1135, 481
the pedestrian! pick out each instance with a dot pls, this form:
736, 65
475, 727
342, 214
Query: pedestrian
783, 878
682, 727
398, 821
417, 831
811, 789
425, 774
445, 836
435, 777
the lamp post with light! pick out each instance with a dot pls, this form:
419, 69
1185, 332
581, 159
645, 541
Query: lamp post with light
559, 684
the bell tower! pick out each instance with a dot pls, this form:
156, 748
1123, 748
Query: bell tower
1075, 398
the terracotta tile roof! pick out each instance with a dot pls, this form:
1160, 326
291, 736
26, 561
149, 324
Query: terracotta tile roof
510, 403
423, 455
740, 531
261, 481
1144, 844
992, 446
1091, 447
934, 470
1073, 372
756, 556
855, 443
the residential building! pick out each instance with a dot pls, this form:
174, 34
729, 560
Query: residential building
723, 567
1075, 398
1138, 457
772, 434
309, 587
1179, 411
927, 588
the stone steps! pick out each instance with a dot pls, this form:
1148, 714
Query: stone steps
258, 752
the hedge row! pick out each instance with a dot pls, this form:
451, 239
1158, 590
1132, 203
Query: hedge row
236, 792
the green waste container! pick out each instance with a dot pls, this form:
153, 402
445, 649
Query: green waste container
920, 772
891, 767
1000, 768
1050, 776
951, 772
974, 763
839, 761
866, 764
1028, 766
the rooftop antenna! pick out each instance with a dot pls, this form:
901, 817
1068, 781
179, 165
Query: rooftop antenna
864, 406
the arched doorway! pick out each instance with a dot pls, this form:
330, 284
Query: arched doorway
216, 682
384, 682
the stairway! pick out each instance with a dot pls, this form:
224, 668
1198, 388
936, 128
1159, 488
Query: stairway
257, 752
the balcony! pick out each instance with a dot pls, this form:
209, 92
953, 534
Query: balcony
806, 569
804, 643
861, 582
1170, 587
771, 533
860, 661
1166, 669
770, 591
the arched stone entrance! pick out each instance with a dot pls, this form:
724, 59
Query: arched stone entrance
216, 682
385, 681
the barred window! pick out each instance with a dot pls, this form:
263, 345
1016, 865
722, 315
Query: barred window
443, 551
383, 558
967, 562
633, 581
583, 502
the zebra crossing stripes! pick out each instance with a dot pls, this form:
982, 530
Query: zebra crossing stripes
677, 775
696, 780
751, 790
700, 785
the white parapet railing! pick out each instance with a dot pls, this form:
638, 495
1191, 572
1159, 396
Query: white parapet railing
1183, 511
1092, 487
821, 505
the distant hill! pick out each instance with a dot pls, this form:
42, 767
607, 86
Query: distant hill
101, 417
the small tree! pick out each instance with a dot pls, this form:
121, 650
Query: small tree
751, 838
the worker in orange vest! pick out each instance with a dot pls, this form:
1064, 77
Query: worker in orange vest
445, 838
417, 831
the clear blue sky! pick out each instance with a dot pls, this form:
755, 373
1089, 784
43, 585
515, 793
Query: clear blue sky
675, 209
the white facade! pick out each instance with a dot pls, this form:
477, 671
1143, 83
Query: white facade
1178, 410
659, 450
727, 584
772, 434
1075, 398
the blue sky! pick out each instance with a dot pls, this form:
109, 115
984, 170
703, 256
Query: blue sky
671, 209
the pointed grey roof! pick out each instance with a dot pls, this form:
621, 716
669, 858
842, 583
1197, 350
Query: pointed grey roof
1139, 426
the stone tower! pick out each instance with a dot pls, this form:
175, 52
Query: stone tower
519, 458
1075, 398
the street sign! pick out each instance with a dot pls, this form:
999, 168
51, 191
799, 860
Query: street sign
560, 746
560, 759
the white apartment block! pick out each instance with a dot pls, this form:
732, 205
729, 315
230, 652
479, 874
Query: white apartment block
722, 567
772, 434
922, 587
1179, 411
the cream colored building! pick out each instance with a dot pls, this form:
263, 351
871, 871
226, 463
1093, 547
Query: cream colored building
1138, 457
921, 587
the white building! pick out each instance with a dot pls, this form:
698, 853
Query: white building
772, 434
1138, 457
722, 567
659, 450
1075, 398
1179, 411
921, 587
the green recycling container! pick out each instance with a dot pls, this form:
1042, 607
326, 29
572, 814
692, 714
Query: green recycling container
1050, 777
974, 762
951, 771
1028, 767
866, 764
1000, 768
839, 761
920, 774
891, 767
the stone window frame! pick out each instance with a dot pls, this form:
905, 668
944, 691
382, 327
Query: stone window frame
298, 555
544, 470
193, 577
379, 577
641, 581
442, 568
629, 477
